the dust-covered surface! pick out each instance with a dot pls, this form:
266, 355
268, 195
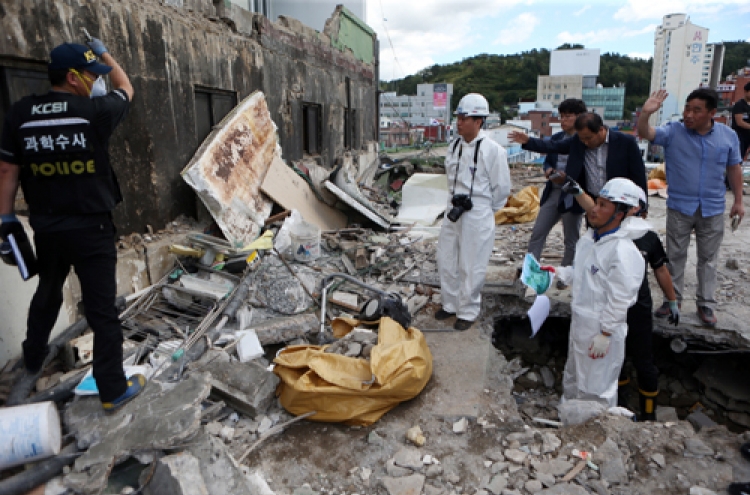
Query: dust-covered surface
485, 423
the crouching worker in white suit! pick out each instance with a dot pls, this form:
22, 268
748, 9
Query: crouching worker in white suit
605, 277
479, 184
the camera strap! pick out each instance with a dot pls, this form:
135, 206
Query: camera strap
458, 165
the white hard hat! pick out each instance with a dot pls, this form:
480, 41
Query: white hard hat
473, 105
621, 190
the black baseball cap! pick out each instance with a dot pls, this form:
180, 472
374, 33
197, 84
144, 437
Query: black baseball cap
74, 56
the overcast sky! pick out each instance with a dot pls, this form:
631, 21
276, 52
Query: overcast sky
428, 32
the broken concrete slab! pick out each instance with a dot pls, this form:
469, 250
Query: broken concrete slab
565, 489
454, 396
220, 472
248, 388
555, 467
177, 474
162, 416
229, 167
611, 463
408, 458
285, 187
351, 201
280, 330
406, 485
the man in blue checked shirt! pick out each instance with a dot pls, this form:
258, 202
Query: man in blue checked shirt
699, 153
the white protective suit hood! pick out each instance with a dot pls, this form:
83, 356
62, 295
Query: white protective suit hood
606, 277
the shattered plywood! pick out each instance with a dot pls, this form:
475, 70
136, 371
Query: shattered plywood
289, 190
228, 169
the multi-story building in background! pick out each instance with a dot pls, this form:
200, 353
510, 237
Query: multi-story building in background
429, 107
608, 102
683, 61
573, 74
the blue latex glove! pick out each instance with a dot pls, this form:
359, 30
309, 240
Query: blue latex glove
97, 46
674, 313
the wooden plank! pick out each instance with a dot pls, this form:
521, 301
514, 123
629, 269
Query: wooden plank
291, 191
574, 472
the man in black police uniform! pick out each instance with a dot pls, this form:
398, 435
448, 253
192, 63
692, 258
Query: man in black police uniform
56, 147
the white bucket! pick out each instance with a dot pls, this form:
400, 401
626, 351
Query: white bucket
305, 241
28, 433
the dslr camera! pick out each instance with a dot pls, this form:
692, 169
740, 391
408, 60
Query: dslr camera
461, 203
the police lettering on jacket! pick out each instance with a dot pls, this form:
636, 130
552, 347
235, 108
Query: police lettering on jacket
65, 166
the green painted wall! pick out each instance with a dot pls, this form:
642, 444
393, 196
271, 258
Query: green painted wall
355, 35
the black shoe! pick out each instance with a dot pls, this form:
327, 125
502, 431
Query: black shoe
745, 450
443, 315
707, 316
462, 325
561, 285
739, 489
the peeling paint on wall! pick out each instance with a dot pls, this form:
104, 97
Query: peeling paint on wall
229, 167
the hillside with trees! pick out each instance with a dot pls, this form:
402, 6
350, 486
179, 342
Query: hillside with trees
505, 79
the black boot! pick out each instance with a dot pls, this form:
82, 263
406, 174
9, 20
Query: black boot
739, 489
648, 405
623, 392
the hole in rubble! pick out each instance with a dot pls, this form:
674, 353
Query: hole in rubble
689, 381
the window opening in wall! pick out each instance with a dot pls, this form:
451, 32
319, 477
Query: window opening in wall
15, 83
211, 105
311, 128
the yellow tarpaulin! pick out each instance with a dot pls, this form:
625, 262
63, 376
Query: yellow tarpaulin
353, 390
522, 207
658, 172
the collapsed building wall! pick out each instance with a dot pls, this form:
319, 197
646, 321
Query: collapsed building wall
189, 67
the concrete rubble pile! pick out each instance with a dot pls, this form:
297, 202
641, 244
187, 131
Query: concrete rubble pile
208, 420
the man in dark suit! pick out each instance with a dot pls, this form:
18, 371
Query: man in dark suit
554, 203
596, 154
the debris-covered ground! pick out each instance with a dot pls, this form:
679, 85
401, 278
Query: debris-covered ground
487, 421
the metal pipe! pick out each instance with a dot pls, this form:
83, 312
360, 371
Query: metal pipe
353, 280
41, 473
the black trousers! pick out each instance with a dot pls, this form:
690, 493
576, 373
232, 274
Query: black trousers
639, 348
92, 253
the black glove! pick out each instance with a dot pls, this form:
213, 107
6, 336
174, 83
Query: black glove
97, 46
571, 187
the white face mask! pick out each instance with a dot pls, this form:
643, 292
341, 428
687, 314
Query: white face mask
99, 88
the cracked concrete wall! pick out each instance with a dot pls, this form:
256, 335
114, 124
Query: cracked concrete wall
169, 49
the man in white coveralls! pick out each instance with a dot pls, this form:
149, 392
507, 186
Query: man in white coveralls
605, 277
479, 184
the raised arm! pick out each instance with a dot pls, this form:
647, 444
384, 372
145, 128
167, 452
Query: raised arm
652, 105
118, 77
541, 145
